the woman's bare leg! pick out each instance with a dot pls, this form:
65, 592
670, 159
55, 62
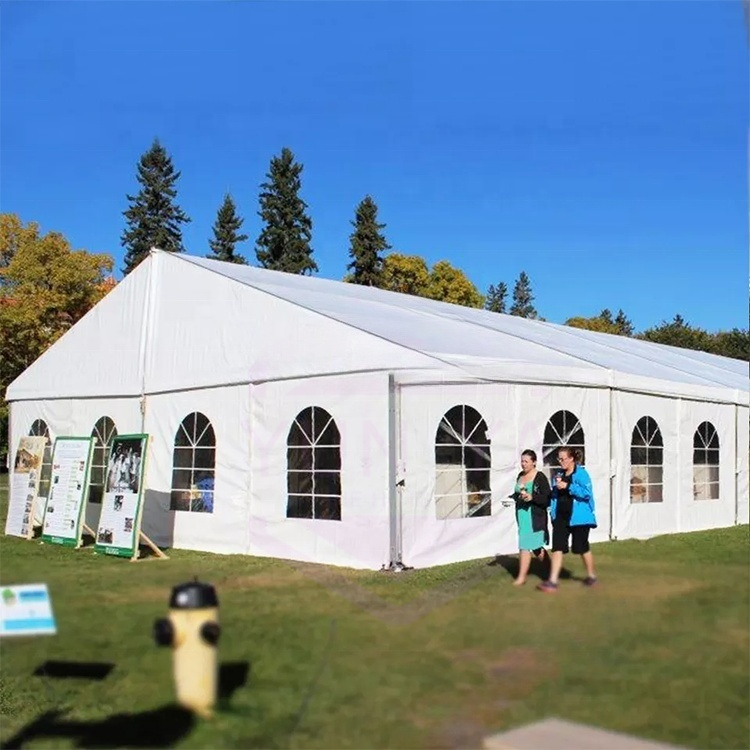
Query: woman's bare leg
523, 567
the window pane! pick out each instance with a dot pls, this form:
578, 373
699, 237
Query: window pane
180, 500
477, 480
713, 491
327, 458
655, 493
638, 456
327, 483
448, 455
328, 508
655, 456
480, 504
299, 506
477, 457
299, 459
205, 458
447, 434
449, 481
183, 458
655, 474
712, 456
638, 485
305, 422
656, 436
299, 482
712, 474
329, 433
182, 479
296, 436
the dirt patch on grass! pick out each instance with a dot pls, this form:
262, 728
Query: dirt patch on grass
233, 583
510, 678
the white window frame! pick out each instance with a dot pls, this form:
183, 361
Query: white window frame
650, 478
454, 501
568, 436
102, 445
191, 493
706, 473
318, 416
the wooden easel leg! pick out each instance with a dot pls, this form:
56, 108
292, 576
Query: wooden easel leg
157, 552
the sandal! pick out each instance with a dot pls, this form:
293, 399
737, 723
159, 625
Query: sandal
547, 587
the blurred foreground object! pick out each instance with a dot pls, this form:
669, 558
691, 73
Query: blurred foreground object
555, 734
192, 630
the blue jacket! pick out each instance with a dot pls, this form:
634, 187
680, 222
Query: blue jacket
582, 494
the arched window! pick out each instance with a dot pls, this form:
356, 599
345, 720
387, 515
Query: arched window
313, 457
646, 462
103, 432
193, 465
563, 428
39, 429
462, 465
706, 462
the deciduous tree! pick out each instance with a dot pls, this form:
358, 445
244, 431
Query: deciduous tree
45, 287
449, 284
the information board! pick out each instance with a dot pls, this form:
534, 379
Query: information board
68, 491
24, 486
120, 520
26, 610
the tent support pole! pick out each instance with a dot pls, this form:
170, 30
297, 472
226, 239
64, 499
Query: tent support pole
394, 506
611, 468
736, 465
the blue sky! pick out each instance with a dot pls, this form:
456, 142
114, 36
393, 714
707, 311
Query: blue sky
600, 146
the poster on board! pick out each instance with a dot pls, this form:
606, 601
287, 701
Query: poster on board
120, 520
26, 610
68, 490
24, 486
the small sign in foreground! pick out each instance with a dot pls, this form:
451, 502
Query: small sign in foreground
26, 610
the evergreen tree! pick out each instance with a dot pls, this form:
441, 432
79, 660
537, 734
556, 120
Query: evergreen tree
226, 234
496, 298
366, 245
624, 324
153, 218
523, 298
284, 242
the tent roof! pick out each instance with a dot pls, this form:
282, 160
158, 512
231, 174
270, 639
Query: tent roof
479, 339
194, 305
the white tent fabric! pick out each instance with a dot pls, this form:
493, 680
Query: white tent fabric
251, 349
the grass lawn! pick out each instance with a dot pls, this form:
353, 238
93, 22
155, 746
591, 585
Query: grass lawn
429, 658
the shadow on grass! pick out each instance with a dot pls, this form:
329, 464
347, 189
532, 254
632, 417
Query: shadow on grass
538, 568
162, 727
81, 670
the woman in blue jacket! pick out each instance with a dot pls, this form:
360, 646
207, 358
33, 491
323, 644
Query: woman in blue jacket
573, 515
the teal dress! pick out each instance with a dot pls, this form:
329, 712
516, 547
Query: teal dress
528, 539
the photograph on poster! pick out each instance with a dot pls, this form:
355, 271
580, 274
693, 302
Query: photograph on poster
124, 466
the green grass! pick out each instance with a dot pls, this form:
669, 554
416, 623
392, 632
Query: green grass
427, 658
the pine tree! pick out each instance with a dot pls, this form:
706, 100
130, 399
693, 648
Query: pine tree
523, 298
153, 218
226, 234
366, 245
496, 298
284, 243
624, 324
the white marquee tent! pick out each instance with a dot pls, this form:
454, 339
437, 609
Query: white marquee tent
309, 419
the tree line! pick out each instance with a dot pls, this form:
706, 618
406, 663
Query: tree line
46, 286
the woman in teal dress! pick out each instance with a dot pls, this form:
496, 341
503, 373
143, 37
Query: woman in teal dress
532, 493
